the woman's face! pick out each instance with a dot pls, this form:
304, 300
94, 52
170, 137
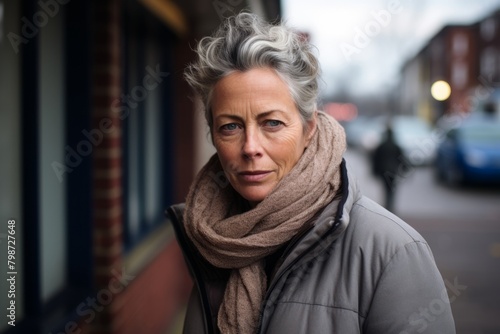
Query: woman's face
257, 131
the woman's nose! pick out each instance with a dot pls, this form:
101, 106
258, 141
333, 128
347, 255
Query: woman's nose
252, 147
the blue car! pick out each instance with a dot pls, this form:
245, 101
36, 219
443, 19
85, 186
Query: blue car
470, 154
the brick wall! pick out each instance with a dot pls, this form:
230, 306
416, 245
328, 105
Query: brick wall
147, 301
106, 176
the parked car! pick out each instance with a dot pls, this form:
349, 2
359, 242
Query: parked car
470, 153
416, 139
363, 132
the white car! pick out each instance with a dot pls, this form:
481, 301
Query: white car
416, 138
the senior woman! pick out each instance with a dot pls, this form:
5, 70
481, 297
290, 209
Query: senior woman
276, 234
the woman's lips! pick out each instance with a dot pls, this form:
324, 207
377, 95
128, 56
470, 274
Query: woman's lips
253, 176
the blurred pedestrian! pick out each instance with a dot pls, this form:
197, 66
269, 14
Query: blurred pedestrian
275, 231
387, 159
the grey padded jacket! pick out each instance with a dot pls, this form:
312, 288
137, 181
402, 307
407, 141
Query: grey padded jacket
358, 269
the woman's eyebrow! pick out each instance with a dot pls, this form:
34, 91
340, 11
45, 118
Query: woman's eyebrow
231, 116
270, 112
260, 115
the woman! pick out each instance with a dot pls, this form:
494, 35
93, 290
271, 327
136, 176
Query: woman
275, 232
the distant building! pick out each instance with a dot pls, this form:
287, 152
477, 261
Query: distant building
98, 135
489, 62
467, 57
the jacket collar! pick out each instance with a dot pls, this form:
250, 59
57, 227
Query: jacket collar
329, 225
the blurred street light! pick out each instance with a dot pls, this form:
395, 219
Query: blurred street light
440, 90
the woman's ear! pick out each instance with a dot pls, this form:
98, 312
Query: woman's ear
311, 128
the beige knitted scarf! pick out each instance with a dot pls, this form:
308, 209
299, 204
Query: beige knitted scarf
230, 235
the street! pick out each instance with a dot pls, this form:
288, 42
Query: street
462, 227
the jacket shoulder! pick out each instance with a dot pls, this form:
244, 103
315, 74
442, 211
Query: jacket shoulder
200, 305
175, 213
404, 276
370, 220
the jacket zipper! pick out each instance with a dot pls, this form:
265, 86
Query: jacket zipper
291, 264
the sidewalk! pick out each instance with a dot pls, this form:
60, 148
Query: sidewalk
177, 324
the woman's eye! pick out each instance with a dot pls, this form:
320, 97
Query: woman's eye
273, 123
229, 127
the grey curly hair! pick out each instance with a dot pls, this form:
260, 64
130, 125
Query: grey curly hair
244, 42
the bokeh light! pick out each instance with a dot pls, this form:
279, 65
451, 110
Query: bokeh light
440, 90
341, 111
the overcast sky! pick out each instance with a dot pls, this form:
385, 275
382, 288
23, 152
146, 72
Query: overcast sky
362, 44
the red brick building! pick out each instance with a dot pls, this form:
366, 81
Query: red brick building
467, 57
